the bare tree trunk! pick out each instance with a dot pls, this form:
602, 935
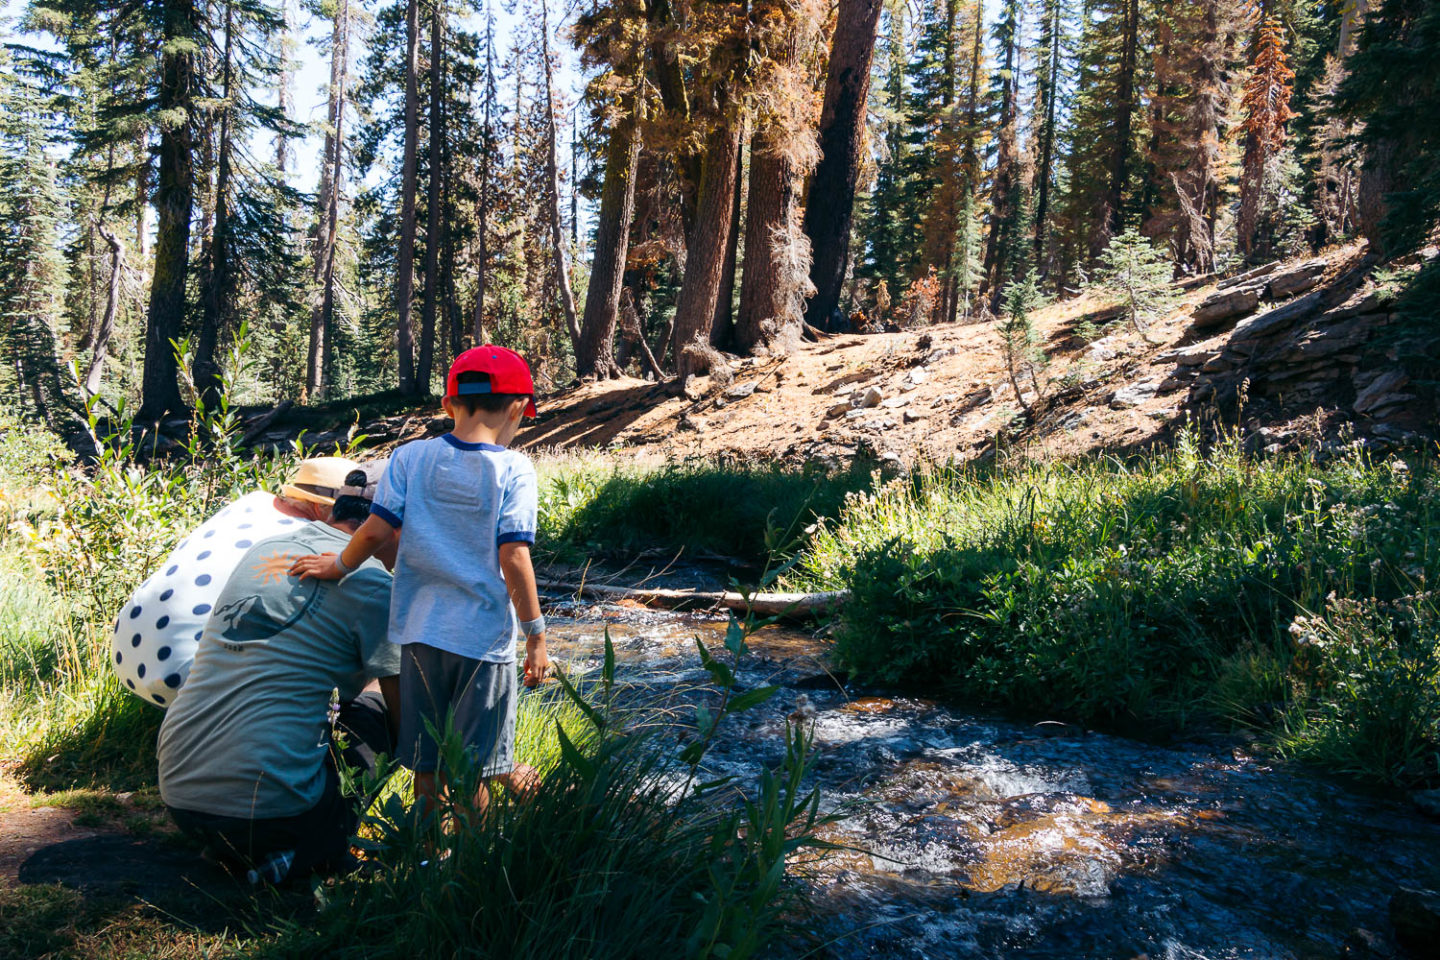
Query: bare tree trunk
217, 302
317, 371
595, 354
1352, 19
722, 328
142, 199
285, 93
101, 339
842, 125
405, 259
705, 260
433, 220
552, 180
174, 199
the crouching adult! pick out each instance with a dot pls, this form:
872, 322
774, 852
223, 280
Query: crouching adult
157, 631
248, 763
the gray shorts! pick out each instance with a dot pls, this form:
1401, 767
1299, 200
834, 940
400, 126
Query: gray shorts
476, 697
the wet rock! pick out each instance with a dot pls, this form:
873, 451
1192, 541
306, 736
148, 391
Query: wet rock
871, 397
1415, 915
739, 391
1134, 395
1298, 280
1223, 305
1427, 802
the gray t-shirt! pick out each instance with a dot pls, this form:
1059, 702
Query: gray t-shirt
458, 502
246, 736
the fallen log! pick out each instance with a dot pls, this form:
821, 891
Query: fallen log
258, 426
791, 606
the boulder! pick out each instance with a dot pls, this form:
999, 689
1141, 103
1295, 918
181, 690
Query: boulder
1297, 280
1272, 322
1134, 395
1415, 915
1381, 391
739, 391
1245, 278
1221, 306
1427, 802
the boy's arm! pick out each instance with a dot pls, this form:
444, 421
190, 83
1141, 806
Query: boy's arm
520, 583
374, 534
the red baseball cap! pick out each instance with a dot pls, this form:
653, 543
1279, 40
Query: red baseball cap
508, 372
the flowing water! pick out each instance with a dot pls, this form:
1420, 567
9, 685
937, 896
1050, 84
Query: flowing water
970, 835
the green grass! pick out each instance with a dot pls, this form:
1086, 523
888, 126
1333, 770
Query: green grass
1160, 594
593, 506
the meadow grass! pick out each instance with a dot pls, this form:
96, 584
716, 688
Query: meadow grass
1156, 595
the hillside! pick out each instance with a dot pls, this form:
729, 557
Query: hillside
1292, 348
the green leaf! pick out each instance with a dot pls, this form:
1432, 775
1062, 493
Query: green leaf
720, 673
608, 672
735, 636
591, 714
704, 721
573, 756
691, 755
751, 698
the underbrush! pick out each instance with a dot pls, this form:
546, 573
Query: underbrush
749, 513
1156, 595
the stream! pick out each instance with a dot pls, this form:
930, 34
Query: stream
972, 835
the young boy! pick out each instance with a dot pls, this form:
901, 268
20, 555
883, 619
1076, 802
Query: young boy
464, 586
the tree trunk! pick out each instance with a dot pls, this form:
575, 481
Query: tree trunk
768, 300
142, 199
1007, 163
705, 260
595, 354
285, 92
217, 306
405, 259
1352, 19
482, 266
842, 126
100, 342
722, 328
670, 82
322, 317
552, 182
1050, 96
174, 199
1124, 118
433, 221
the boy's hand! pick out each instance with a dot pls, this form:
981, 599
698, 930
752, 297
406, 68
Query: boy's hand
537, 661
321, 566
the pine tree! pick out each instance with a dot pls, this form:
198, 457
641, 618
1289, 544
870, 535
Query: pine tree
32, 266
1267, 112
1141, 275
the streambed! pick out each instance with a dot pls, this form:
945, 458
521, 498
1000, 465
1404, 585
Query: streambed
972, 835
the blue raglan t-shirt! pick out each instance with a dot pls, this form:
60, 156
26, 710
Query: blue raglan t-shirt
458, 503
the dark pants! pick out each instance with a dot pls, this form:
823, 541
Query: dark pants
321, 835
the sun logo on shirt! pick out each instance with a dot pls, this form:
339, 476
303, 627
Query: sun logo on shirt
274, 567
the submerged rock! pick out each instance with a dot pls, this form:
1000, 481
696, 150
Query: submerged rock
1415, 915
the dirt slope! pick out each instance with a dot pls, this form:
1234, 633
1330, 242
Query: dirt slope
942, 393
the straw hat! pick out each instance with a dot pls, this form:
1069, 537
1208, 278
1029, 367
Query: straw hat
318, 480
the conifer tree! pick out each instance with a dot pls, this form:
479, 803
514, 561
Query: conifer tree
1267, 112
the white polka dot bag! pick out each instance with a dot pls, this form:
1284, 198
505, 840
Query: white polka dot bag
158, 630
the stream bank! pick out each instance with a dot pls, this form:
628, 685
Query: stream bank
972, 835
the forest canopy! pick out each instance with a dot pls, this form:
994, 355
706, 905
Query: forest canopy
734, 176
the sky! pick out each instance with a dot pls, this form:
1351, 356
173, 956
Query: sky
313, 73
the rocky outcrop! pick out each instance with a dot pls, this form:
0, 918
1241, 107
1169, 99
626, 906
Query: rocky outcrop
1241, 295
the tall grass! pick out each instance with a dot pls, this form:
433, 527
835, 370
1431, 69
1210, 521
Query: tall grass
1155, 594
747, 512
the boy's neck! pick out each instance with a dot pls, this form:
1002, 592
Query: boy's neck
479, 428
